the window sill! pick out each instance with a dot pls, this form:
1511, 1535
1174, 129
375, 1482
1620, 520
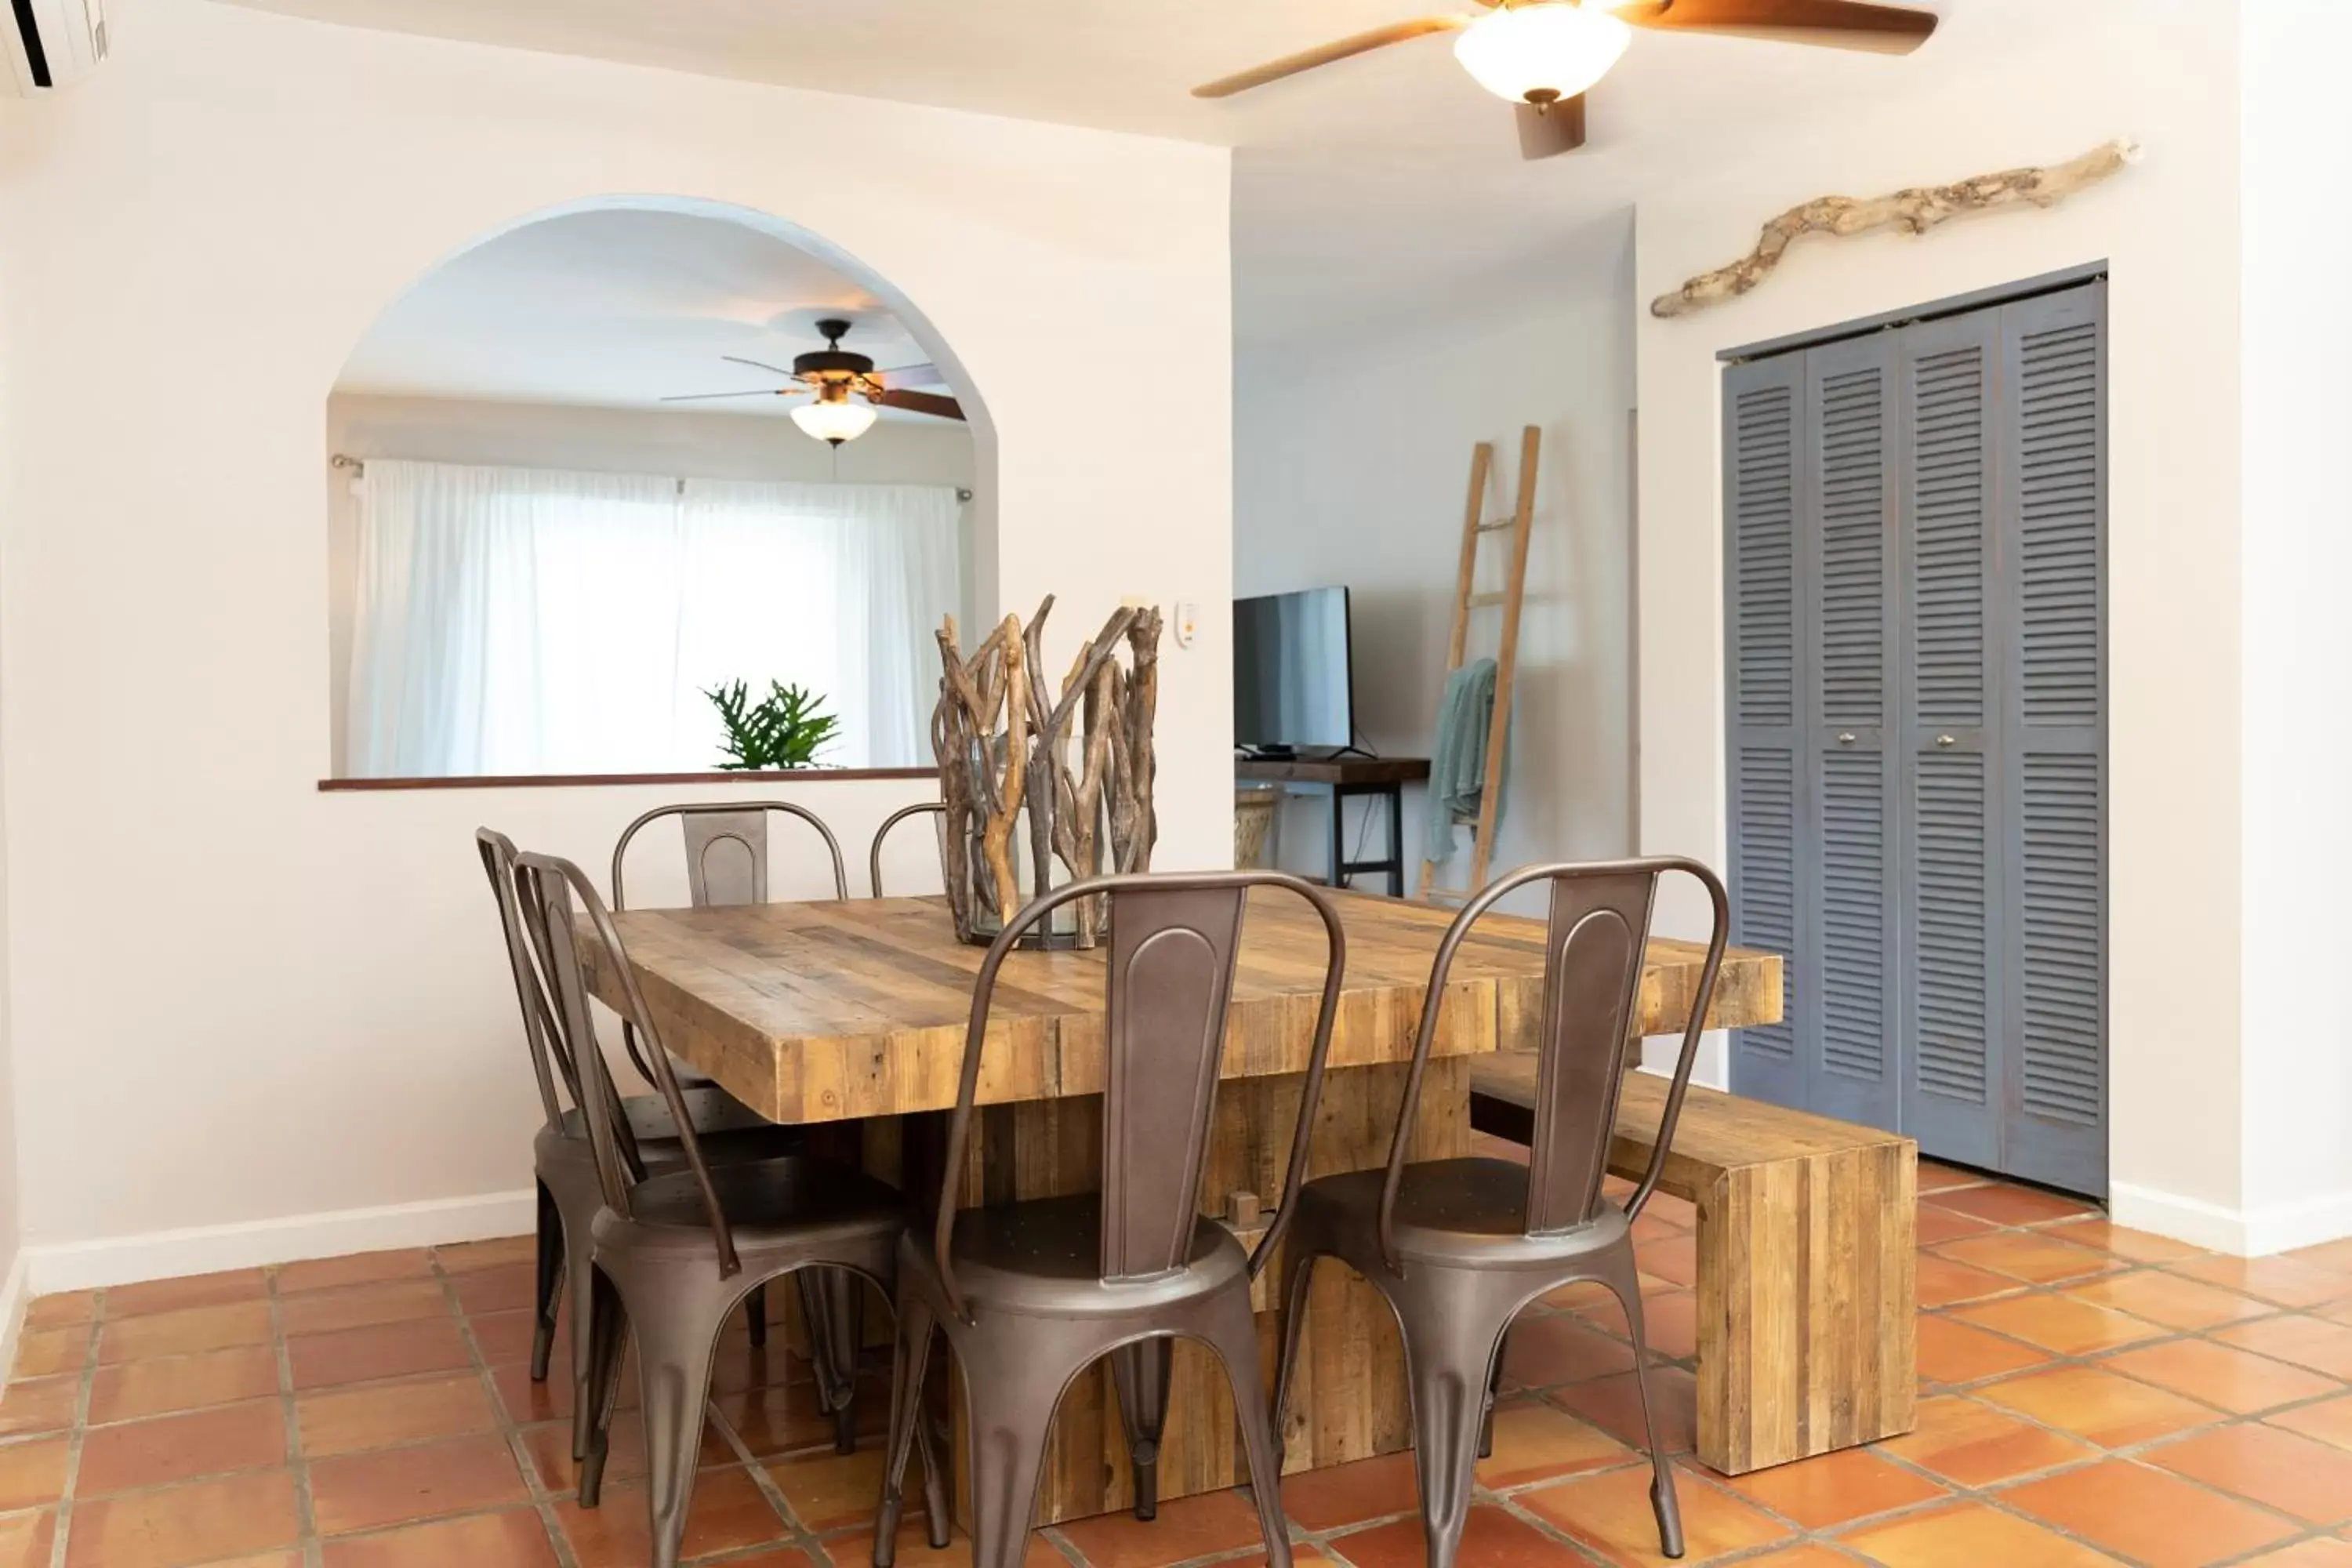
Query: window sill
564, 781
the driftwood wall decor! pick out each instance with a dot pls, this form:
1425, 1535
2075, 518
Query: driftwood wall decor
1014, 802
1915, 210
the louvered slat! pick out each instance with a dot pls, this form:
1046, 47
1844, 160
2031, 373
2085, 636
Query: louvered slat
1948, 534
1764, 538
1852, 504
1854, 913
2058, 540
2060, 908
1949, 1039
1764, 876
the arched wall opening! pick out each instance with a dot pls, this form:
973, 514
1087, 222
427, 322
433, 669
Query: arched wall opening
583, 519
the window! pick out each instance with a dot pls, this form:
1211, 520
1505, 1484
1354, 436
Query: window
529, 621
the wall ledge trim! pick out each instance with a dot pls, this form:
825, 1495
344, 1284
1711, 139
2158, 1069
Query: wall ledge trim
2242, 1233
206, 1249
558, 781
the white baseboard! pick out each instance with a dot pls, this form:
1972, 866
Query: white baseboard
2244, 1233
206, 1249
14, 1297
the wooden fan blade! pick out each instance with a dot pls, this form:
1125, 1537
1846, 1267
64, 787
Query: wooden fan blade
1546, 132
1308, 59
929, 403
707, 396
1833, 24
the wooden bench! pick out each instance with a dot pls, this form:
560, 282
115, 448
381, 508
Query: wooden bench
1808, 1291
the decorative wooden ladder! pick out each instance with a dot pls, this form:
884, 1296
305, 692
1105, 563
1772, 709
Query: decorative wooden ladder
1466, 598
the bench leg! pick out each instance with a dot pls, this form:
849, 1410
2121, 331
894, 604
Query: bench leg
1808, 1303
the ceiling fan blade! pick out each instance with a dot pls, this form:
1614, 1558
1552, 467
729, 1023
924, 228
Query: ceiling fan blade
927, 403
707, 396
757, 365
1546, 132
1833, 24
915, 376
1308, 59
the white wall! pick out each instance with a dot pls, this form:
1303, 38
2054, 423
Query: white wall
2296, 677
2162, 71
1350, 455
264, 1003
602, 440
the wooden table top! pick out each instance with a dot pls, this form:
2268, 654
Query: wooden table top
823, 1012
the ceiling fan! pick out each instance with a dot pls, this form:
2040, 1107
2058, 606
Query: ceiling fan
1542, 54
839, 377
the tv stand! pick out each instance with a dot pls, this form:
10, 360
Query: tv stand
1337, 778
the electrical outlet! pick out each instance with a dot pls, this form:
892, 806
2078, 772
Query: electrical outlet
1188, 621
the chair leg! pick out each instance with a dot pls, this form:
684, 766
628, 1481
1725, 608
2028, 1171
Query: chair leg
1626, 1283
1297, 1279
1012, 1381
1142, 1372
606, 1337
580, 1285
756, 1305
910, 1358
1450, 1347
832, 1306
1236, 1342
549, 1282
1494, 1392
676, 1333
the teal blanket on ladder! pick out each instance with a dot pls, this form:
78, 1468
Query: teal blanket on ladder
1457, 758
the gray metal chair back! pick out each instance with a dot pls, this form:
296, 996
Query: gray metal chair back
553, 893
727, 851
1168, 979
1595, 939
874, 855
551, 1062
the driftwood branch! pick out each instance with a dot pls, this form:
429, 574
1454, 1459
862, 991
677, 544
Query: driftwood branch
1915, 210
1004, 744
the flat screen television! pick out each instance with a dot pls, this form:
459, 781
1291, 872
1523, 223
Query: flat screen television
1293, 687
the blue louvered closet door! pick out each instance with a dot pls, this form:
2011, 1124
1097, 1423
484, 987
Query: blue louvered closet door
1915, 640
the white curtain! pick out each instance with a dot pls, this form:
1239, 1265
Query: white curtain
527, 621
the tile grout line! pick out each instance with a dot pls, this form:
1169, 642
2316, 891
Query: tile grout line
802, 1536
306, 1514
509, 1430
77, 1432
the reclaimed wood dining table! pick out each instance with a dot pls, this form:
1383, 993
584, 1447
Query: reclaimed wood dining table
850, 1018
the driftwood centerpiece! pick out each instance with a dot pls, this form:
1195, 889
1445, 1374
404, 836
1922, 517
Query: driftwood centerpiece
1915, 210
1016, 809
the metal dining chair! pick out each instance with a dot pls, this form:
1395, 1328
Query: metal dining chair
561, 1159
874, 857
726, 866
1460, 1247
1031, 1294
673, 1254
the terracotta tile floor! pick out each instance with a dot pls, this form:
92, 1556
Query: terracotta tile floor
2089, 1397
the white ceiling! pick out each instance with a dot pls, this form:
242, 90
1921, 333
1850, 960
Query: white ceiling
1369, 183
620, 309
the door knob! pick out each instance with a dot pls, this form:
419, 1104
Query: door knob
1945, 740
1845, 737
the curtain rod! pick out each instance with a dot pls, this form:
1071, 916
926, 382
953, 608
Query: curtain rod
358, 465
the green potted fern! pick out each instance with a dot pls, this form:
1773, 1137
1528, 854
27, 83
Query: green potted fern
785, 729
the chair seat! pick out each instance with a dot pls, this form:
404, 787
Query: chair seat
1044, 1256
1471, 1212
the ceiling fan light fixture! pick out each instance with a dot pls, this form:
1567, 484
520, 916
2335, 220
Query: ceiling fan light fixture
835, 416
1541, 52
